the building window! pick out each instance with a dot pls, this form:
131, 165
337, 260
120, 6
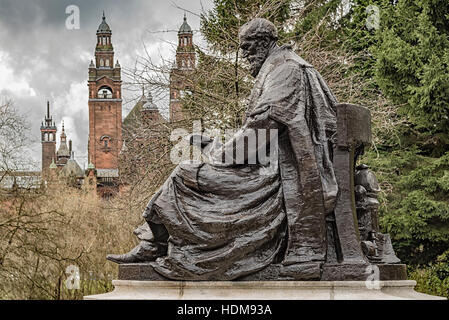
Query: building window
107, 62
104, 93
101, 63
105, 140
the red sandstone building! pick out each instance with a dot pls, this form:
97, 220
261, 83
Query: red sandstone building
105, 139
184, 66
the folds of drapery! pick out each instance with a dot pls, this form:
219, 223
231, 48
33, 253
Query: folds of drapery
226, 221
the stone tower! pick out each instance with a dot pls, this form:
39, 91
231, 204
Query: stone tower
184, 66
105, 103
48, 140
63, 153
150, 112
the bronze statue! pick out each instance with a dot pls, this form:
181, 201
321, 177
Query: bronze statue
229, 221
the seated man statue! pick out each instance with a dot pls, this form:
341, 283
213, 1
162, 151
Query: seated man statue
222, 221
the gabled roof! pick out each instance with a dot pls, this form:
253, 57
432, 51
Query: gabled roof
135, 112
72, 168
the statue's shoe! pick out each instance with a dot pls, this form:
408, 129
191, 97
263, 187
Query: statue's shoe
144, 252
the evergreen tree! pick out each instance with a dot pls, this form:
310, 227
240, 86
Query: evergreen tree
411, 53
413, 60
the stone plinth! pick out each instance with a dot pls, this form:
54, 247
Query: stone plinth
262, 290
278, 272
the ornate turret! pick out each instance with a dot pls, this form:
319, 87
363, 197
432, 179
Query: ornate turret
185, 64
149, 104
185, 53
185, 28
48, 139
150, 112
104, 52
63, 153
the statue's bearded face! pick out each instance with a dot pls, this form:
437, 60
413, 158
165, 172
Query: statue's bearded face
255, 50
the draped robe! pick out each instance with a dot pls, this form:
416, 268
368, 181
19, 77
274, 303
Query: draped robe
229, 220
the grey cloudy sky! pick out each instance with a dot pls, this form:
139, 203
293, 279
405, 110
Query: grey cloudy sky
40, 59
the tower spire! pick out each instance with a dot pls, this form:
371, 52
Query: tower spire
185, 64
63, 153
48, 139
104, 83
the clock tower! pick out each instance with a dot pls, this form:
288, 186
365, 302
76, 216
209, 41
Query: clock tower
105, 104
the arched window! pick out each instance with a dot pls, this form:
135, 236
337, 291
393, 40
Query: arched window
101, 62
45, 136
105, 93
107, 62
105, 140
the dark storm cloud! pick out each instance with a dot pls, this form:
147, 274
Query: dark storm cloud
40, 59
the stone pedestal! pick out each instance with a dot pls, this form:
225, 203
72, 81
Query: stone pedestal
262, 290
278, 272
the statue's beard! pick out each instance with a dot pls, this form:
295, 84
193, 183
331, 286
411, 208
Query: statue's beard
256, 63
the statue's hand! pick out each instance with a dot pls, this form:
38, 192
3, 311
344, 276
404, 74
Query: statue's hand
198, 140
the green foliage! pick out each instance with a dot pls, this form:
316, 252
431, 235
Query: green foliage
220, 26
413, 60
358, 37
415, 202
434, 278
313, 14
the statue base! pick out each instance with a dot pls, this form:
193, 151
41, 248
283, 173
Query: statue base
263, 290
294, 272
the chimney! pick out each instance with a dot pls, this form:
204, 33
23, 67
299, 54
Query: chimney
70, 147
